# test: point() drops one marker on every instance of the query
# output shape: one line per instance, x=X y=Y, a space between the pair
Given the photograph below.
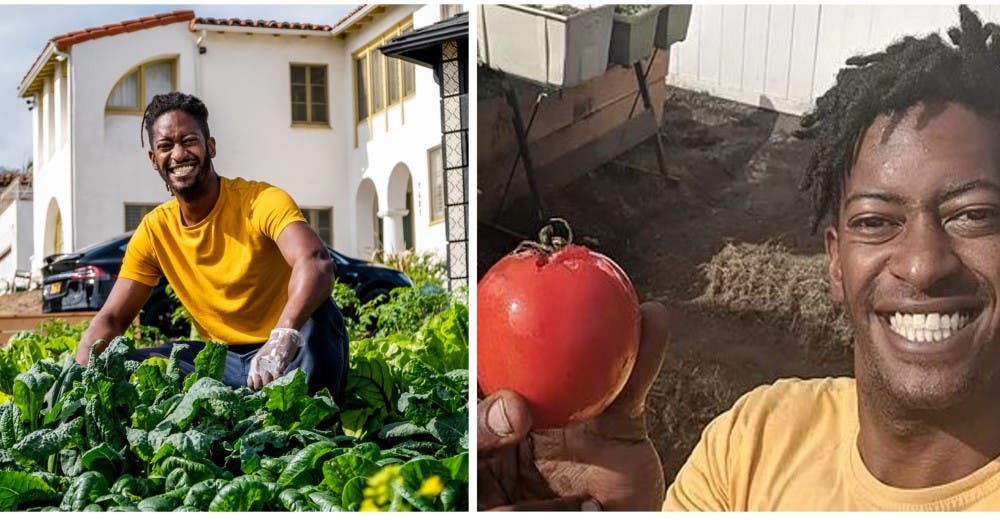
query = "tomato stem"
x=550 y=238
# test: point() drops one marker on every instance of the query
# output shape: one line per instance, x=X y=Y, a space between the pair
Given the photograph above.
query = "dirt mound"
x=786 y=290
x=27 y=302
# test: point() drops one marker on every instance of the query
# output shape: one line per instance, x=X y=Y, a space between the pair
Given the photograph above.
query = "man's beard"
x=197 y=188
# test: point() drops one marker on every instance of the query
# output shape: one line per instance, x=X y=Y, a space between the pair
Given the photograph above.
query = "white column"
x=36 y=133
x=47 y=121
x=392 y=220
x=59 y=90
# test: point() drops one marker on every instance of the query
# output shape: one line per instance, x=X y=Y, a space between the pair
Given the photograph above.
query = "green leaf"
x=284 y=393
x=29 y=393
x=342 y=468
x=17 y=487
x=353 y=421
x=306 y=466
x=85 y=489
x=398 y=430
x=244 y=493
x=353 y=493
x=210 y=362
x=458 y=466
x=370 y=382
x=452 y=430
x=203 y=391
x=293 y=500
x=201 y=494
x=103 y=459
x=416 y=471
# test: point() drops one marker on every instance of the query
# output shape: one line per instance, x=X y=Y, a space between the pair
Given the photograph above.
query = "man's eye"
x=870 y=223
x=976 y=215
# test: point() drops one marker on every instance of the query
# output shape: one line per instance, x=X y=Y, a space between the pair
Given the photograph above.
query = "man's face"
x=915 y=257
x=180 y=153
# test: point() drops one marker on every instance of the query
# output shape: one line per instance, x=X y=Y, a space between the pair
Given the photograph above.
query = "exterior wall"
x=110 y=168
x=785 y=56
x=15 y=230
x=96 y=164
x=396 y=141
x=250 y=117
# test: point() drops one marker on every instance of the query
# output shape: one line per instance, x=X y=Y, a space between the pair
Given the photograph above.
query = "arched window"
x=137 y=87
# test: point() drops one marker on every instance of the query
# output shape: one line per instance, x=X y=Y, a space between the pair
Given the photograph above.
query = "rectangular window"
x=361 y=86
x=134 y=214
x=380 y=81
x=409 y=69
x=435 y=170
x=309 y=100
x=321 y=220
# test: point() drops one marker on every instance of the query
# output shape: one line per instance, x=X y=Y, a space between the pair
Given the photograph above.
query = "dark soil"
x=739 y=168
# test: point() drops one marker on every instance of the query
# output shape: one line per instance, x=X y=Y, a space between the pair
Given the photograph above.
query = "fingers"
x=503 y=420
x=652 y=352
x=574 y=503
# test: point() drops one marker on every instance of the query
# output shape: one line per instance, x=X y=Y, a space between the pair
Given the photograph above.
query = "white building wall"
x=111 y=167
x=785 y=56
x=52 y=182
x=393 y=141
x=16 y=231
x=246 y=85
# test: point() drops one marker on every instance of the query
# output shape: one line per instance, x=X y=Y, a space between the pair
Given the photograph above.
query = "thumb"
x=503 y=419
x=631 y=401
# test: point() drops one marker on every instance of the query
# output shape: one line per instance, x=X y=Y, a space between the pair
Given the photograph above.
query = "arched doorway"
x=369 y=232
x=53 y=230
x=398 y=214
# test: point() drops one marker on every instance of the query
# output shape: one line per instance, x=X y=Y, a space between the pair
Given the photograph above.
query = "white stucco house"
x=317 y=110
x=16 y=213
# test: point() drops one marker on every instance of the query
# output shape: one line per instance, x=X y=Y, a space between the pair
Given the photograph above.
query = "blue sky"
x=25 y=30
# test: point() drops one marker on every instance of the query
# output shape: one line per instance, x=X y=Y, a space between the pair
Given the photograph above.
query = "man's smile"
x=942 y=328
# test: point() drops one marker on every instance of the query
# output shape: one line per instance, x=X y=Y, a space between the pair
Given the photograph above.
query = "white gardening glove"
x=274 y=357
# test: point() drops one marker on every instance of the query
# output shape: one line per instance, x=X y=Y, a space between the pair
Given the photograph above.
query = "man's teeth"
x=183 y=169
x=927 y=327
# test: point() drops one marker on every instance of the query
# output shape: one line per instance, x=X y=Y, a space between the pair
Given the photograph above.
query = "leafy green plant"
x=120 y=435
x=422 y=267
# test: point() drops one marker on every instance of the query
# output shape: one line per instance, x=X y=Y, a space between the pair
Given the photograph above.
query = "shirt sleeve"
x=272 y=210
x=704 y=482
x=140 y=263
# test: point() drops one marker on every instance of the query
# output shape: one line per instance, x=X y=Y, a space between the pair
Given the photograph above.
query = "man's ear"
x=152 y=160
x=833 y=257
x=211 y=147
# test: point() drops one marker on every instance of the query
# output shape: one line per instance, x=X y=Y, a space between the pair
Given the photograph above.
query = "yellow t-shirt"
x=792 y=446
x=227 y=269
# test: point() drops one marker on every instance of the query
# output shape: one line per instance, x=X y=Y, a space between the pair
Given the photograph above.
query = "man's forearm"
x=102 y=328
x=311 y=283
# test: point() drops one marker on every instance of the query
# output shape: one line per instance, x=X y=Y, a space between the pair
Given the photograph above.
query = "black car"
x=83 y=280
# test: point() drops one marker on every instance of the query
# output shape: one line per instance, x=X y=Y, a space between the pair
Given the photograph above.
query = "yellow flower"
x=368 y=505
x=431 y=487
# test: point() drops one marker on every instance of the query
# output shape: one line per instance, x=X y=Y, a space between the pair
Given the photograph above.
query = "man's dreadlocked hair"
x=163 y=103
x=906 y=73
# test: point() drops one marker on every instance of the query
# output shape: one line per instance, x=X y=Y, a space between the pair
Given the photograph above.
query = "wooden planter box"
x=672 y=25
x=632 y=36
x=545 y=47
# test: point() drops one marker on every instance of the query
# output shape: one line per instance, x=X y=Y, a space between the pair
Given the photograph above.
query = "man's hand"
x=605 y=463
x=274 y=357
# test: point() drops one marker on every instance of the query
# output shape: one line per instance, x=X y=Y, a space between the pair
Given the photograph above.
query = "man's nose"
x=177 y=152
x=925 y=256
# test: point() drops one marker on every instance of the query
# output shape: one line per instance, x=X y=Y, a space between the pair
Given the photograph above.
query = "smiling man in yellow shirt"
x=907 y=168
x=240 y=257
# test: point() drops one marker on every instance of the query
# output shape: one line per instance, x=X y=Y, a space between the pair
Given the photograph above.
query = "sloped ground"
x=27 y=302
x=739 y=168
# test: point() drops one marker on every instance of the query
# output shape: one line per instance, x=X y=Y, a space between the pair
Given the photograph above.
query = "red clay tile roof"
x=6 y=178
x=66 y=41
x=260 y=24
x=350 y=14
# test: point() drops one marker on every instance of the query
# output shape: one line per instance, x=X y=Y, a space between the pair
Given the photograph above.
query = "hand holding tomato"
x=607 y=462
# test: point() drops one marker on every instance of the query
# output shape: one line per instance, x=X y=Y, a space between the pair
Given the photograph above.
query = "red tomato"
x=559 y=328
